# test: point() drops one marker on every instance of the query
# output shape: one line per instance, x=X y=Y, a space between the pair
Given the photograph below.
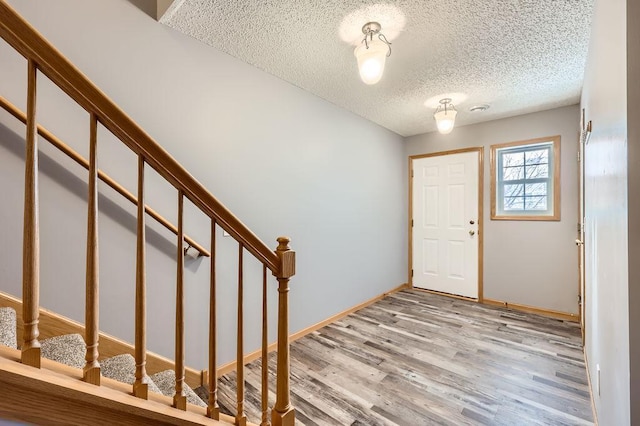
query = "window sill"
x=555 y=218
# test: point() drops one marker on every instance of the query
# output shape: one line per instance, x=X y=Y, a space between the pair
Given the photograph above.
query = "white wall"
x=515 y=251
x=284 y=161
x=607 y=212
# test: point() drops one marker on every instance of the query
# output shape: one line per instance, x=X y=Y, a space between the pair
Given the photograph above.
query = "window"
x=525 y=180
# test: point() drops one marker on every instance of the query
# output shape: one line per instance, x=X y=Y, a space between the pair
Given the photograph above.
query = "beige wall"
x=531 y=263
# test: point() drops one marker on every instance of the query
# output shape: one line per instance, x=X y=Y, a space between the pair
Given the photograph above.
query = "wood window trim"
x=555 y=140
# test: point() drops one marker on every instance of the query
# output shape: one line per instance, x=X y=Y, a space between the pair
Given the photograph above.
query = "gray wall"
x=284 y=161
x=608 y=191
x=515 y=250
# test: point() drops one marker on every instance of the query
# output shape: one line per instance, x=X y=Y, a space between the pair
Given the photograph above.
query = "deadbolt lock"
x=471 y=222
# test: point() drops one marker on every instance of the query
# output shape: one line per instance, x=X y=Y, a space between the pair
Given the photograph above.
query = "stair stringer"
x=56 y=395
x=53 y=325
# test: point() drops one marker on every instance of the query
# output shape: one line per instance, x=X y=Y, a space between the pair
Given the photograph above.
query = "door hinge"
x=578 y=156
x=412 y=223
x=579 y=299
x=412 y=273
x=579 y=227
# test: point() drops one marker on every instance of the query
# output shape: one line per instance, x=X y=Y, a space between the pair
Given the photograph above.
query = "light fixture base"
x=445 y=101
x=479 y=108
x=371 y=28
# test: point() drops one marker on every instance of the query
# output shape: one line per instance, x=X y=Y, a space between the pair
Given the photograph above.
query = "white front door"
x=445 y=223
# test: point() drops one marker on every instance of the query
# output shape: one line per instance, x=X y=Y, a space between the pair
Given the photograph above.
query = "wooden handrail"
x=33 y=46
x=69 y=152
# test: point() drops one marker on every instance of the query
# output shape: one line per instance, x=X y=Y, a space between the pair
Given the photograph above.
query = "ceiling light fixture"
x=372 y=53
x=445 y=116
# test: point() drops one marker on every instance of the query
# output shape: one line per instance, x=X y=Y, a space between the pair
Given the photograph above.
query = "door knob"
x=579 y=242
x=472 y=233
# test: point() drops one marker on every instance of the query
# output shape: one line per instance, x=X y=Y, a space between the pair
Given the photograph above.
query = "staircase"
x=47 y=378
x=71 y=350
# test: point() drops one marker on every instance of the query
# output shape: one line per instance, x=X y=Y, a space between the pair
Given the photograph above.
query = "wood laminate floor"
x=416 y=358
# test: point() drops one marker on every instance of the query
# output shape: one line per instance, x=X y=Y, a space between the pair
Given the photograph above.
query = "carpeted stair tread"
x=123 y=369
x=68 y=349
x=8 y=336
x=166 y=381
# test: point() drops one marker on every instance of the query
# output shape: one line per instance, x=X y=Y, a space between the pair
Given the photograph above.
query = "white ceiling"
x=518 y=56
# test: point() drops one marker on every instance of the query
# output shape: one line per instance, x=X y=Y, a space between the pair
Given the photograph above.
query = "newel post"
x=283 y=413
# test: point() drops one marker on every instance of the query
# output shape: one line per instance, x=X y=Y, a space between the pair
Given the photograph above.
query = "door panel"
x=456 y=259
x=430 y=207
x=445 y=223
x=430 y=256
x=455 y=209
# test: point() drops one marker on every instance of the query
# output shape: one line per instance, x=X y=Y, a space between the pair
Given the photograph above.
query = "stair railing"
x=69 y=152
x=43 y=58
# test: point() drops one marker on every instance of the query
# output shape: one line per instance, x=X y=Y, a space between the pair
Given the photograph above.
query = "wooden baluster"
x=265 y=352
x=91 y=372
x=31 y=237
x=140 y=385
x=213 y=409
x=283 y=413
x=241 y=418
x=179 y=399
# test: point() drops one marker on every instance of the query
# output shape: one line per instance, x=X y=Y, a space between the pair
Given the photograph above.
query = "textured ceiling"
x=518 y=56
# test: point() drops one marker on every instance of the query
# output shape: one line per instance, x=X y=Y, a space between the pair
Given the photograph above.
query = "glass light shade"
x=371 y=61
x=445 y=120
